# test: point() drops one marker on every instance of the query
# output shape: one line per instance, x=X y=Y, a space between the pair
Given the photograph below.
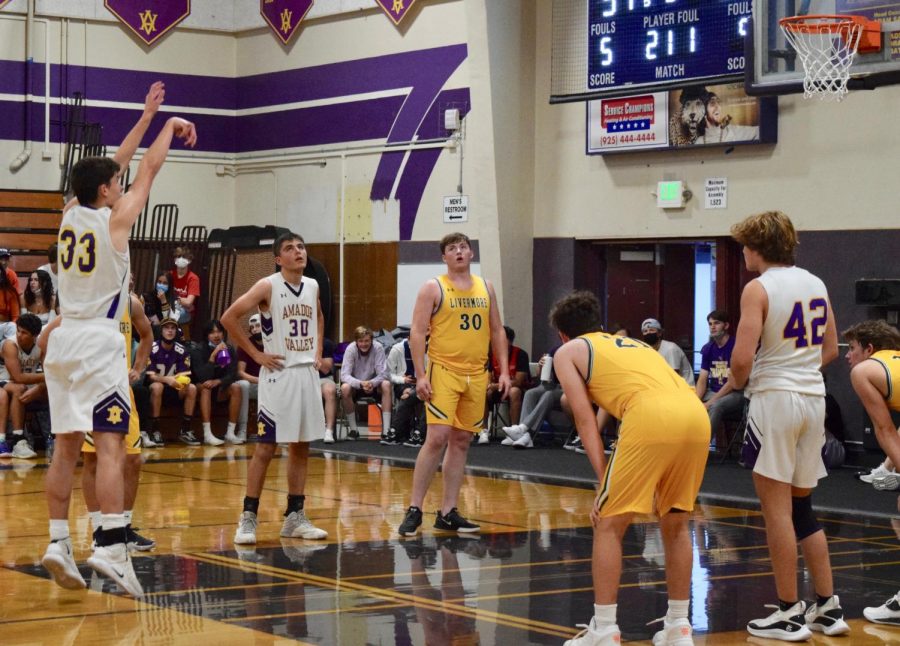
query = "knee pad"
x=805 y=523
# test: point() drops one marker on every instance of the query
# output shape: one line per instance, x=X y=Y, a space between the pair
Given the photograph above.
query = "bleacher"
x=29 y=223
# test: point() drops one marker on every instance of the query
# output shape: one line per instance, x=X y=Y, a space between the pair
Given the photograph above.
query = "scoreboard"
x=638 y=44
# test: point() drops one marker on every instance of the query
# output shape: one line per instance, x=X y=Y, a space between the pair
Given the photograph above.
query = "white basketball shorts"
x=87 y=377
x=290 y=405
x=790 y=431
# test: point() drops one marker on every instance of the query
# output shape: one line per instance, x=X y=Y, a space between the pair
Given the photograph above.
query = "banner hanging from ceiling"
x=395 y=9
x=284 y=16
x=149 y=19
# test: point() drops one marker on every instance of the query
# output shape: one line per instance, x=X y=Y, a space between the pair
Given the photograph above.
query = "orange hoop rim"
x=821 y=23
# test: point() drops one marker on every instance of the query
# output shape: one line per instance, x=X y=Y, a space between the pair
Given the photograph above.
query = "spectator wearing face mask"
x=186 y=285
x=159 y=301
x=652 y=333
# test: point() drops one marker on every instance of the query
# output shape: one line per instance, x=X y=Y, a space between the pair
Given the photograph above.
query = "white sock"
x=231 y=427
x=351 y=419
x=605 y=615
x=113 y=521
x=96 y=521
x=59 y=529
x=386 y=421
x=677 y=610
x=127 y=513
x=18 y=434
x=207 y=428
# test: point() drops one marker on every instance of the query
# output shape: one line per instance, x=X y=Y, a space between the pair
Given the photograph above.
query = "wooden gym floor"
x=524 y=580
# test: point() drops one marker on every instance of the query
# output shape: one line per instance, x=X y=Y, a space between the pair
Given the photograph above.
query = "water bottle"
x=223 y=358
x=546 y=369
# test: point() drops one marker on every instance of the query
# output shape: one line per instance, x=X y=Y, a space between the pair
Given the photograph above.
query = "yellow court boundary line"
x=392 y=595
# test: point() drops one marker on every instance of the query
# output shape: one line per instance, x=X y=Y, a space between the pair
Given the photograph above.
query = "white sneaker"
x=593 y=636
x=515 y=431
x=242 y=434
x=212 y=440
x=877 y=472
x=677 y=633
x=329 y=436
x=787 y=625
x=507 y=441
x=60 y=562
x=524 y=442
x=113 y=562
x=887 y=613
x=146 y=441
x=484 y=437
x=231 y=438
x=827 y=618
x=887 y=482
x=297 y=525
x=23 y=451
x=246 y=531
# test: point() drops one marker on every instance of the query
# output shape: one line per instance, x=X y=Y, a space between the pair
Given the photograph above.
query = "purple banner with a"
x=149 y=19
x=284 y=16
x=395 y=9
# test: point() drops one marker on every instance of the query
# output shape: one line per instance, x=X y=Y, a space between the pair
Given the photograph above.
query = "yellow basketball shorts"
x=660 y=455
x=132 y=438
x=457 y=400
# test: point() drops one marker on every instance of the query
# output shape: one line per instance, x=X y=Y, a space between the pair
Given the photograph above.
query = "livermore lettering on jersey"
x=290 y=327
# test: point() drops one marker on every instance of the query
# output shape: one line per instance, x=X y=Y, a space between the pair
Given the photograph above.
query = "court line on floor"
x=390 y=595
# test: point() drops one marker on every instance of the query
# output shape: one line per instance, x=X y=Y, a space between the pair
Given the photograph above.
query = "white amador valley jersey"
x=93 y=275
x=790 y=352
x=290 y=327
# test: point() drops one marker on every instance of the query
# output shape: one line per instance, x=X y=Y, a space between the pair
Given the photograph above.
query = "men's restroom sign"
x=149 y=20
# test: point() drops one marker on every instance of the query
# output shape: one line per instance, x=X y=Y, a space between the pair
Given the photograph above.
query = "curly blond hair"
x=770 y=234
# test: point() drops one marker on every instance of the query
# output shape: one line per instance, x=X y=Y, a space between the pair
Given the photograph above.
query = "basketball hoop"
x=827 y=45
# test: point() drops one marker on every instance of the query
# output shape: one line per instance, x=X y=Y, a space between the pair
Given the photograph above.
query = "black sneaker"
x=352 y=435
x=574 y=445
x=454 y=522
x=415 y=439
x=187 y=436
x=157 y=438
x=390 y=438
x=138 y=542
x=410 y=524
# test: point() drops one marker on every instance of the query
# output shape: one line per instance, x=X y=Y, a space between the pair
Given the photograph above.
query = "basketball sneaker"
x=113 y=562
x=524 y=442
x=454 y=522
x=138 y=542
x=827 y=618
x=157 y=437
x=59 y=560
x=887 y=613
x=390 y=438
x=877 y=472
x=411 y=523
x=515 y=431
x=187 y=436
x=787 y=625
x=297 y=525
x=573 y=445
x=146 y=441
x=507 y=441
x=888 y=482
x=676 y=633
x=415 y=439
x=592 y=635
x=484 y=437
x=329 y=436
x=5 y=450
x=23 y=451
x=246 y=531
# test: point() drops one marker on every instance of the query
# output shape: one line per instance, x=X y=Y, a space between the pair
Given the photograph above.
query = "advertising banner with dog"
x=698 y=115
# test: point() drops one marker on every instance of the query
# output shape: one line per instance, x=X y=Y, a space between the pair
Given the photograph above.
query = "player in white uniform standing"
x=787 y=315
x=86 y=373
x=290 y=404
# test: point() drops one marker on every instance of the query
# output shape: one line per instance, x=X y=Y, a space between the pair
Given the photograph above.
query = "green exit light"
x=670 y=194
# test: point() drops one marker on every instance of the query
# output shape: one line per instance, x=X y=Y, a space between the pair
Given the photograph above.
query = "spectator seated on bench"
x=214 y=365
x=39 y=297
x=22 y=379
x=169 y=375
x=364 y=374
x=248 y=375
x=519 y=374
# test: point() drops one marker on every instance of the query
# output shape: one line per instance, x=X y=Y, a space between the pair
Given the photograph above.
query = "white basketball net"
x=826 y=46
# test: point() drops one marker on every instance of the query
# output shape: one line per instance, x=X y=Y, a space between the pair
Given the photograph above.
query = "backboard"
x=772 y=66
